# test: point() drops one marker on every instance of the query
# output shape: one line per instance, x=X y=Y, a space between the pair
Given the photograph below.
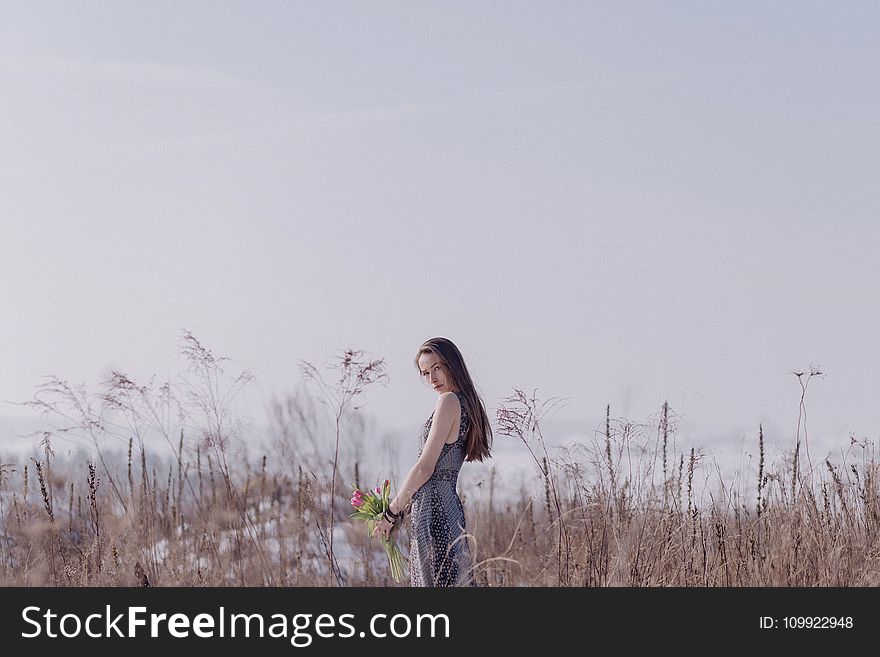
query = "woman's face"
x=435 y=373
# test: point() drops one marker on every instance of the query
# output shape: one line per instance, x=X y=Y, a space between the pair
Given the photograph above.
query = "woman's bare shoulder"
x=447 y=401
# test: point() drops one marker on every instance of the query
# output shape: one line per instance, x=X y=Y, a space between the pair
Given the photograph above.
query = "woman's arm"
x=447 y=410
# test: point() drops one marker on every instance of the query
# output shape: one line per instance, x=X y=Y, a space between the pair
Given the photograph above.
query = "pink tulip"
x=378 y=490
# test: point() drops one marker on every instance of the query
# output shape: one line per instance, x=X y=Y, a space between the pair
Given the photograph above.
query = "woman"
x=457 y=431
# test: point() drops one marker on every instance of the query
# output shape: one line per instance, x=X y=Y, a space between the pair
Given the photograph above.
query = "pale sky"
x=613 y=202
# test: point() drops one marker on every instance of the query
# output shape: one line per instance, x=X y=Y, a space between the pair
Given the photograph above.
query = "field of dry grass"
x=623 y=510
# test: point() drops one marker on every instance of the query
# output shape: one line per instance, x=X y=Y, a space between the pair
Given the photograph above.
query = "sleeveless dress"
x=439 y=553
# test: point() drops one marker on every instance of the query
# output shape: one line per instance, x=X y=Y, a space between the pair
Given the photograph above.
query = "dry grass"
x=627 y=527
x=622 y=510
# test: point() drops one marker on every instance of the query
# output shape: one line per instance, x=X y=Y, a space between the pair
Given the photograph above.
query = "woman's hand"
x=383 y=528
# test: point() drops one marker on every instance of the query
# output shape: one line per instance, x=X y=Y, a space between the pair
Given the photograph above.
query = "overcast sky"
x=616 y=203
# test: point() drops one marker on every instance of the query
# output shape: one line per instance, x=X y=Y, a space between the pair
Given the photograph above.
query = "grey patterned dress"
x=439 y=554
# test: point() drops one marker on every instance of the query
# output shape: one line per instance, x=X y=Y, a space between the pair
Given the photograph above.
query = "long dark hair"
x=479 y=436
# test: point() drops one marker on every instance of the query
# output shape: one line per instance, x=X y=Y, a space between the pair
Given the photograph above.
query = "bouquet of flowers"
x=370 y=507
